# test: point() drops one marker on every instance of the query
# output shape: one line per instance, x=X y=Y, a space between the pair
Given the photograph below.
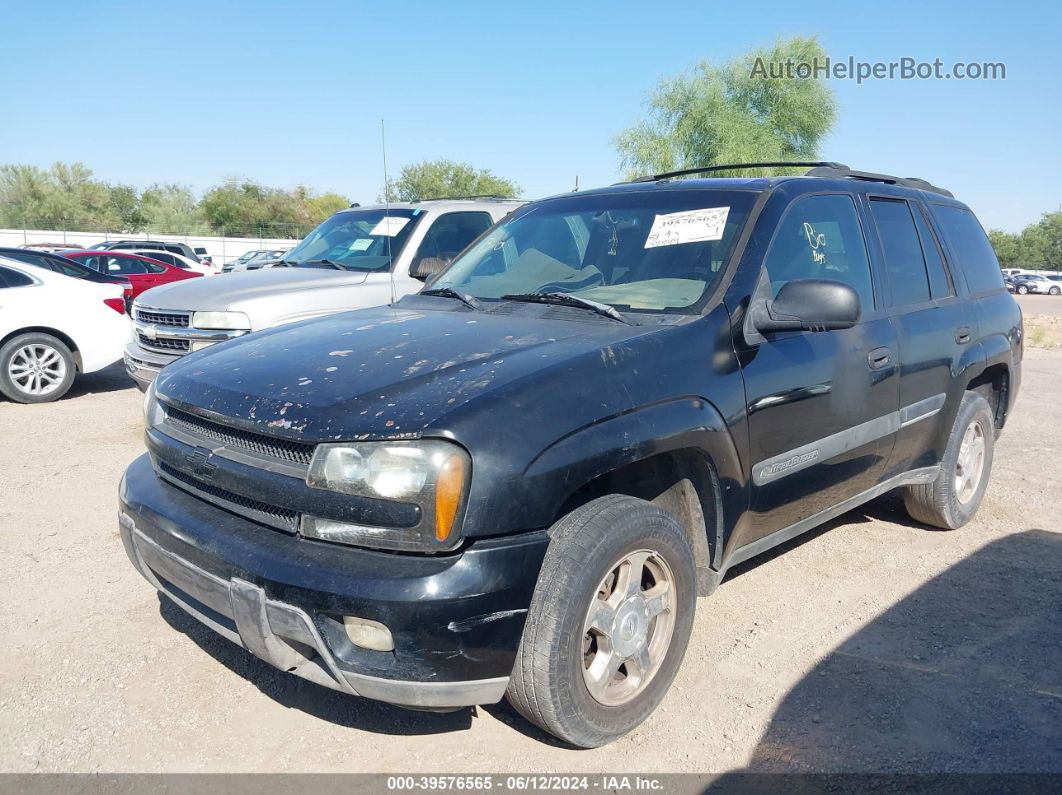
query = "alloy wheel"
x=37 y=369
x=970 y=463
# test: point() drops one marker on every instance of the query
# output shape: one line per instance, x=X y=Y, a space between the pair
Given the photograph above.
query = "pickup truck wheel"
x=35 y=368
x=609 y=621
x=952 y=499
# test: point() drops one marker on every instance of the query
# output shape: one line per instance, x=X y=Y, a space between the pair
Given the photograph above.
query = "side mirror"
x=806 y=305
x=426 y=267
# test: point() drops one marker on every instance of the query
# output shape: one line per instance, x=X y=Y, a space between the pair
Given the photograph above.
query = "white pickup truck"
x=360 y=257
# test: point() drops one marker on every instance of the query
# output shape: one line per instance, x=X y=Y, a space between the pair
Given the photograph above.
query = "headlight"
x=432 y=474
x=153 y=414
x=221 y=321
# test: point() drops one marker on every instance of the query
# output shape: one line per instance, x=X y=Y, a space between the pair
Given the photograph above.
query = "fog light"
x=368 y=634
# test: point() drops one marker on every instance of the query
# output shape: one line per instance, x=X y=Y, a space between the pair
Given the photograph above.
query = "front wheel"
x=953 y=498
x=1022 y=289
x=608 y=623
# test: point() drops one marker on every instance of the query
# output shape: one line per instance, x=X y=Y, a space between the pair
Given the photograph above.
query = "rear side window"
x=820 y=238
x=908 y=281
x=970 y=244
x=125 y=266
x=10 y=278
x=939 y=282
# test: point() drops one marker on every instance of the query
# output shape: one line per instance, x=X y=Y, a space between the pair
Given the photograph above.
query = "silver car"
x=360 y=257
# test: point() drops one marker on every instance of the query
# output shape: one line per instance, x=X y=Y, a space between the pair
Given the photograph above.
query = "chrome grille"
x=163 y=343
x=296 y=452
x=272 y=515
x=161 y=318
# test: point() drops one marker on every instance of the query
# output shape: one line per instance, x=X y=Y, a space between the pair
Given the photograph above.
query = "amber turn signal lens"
x=448 y=491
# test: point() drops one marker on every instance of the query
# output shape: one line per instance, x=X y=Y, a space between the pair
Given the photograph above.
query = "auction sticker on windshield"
x=688 y=226
x=389 y=226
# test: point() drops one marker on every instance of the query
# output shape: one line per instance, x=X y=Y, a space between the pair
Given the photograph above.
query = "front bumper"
x=456 y=619
x=143 y=366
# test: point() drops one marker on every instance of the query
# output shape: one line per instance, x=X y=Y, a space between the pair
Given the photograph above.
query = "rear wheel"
x=1055 y=290
x=609 y=621
x=1021 y=289
x=35 y=368
x=953 y=498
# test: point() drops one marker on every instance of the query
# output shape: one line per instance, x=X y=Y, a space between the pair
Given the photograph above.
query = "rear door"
x=933 y=325
x=821 y=406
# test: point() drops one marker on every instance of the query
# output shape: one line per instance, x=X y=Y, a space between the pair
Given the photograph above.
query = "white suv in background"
x=52 y=328
x=358 y=258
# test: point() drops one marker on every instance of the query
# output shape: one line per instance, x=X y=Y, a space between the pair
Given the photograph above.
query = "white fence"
x=222 y=249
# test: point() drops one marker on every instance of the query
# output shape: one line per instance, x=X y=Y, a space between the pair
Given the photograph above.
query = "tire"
x=1021 y=289
x=549 y=685
x=43 y=385
x=1055 y=291
x=945 y=503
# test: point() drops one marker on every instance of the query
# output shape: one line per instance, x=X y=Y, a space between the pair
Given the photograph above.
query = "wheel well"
x=993 y=385
x=682 y=482
x=64 y=338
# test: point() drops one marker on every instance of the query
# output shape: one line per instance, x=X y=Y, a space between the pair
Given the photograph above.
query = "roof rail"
x=494 y=196
x=844 y=172
x=739 y=166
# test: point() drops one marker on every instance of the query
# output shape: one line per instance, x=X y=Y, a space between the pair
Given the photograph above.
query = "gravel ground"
x=870 y=645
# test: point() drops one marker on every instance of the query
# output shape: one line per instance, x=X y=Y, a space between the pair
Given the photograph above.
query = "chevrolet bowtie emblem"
x=199 y=462
x=151 y=332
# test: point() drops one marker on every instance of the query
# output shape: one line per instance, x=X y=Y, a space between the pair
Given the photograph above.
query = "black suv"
x=516 y=482
x=174 y=248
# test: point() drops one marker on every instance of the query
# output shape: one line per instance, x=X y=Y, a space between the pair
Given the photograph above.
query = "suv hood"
x=387 y=372
x=226 y=291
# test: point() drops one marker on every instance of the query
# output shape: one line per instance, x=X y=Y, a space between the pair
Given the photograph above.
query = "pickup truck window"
x=451 y=233
x=970 y=244
x=821 y=238
x=600 y=248
x=357 y=240
x=904 y=261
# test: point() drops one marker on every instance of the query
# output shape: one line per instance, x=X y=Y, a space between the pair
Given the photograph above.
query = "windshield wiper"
x=339 y=266
x=567 y=299
x=447 y=292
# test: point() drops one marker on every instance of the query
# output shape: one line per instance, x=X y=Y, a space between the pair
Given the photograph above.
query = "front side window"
x=904 y=262
x=451 y=233
x=357 y=240
x=649 y=251
x=820 y=237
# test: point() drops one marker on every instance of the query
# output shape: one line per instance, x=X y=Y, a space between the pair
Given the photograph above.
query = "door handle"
x=962 y=335
x=878 y=358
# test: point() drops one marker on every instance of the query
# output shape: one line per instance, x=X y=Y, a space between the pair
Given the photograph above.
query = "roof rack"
x=738 y=167
x=823 y=168
x=844 y=172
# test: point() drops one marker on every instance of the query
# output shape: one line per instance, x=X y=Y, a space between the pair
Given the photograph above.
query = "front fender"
x=687 y=423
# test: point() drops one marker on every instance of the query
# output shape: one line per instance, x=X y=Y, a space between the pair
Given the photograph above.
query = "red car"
x=142 y=272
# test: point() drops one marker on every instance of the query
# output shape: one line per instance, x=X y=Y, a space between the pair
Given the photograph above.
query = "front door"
x=822 y=407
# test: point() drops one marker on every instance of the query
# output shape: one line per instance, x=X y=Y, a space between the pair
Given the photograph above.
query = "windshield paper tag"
x=361 y=244
x=689 y=226
x=390 y=226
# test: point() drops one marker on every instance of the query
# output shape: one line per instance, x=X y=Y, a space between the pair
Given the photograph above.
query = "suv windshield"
x=357 y=240
x=650 y=251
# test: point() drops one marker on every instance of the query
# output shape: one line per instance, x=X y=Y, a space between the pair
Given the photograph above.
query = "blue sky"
x=287 y=93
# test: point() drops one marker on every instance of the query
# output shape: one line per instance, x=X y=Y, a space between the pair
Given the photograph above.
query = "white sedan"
x=176 y=260
x=52 y=328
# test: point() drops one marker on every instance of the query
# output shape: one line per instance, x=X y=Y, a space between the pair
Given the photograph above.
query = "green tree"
x=126 y=204
x=433 y=179
x=64 y=197
x=733 y=113
x=171 y=209
x=320 y=207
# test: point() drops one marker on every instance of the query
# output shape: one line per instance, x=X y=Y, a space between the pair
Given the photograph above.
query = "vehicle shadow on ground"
x=295 y=693
x=964 y=675
x=113 y=378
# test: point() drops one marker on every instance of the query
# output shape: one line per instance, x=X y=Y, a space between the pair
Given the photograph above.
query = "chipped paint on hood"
x=387 y=372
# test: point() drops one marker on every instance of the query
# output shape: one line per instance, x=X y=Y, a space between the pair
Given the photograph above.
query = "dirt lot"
x=870 y=645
